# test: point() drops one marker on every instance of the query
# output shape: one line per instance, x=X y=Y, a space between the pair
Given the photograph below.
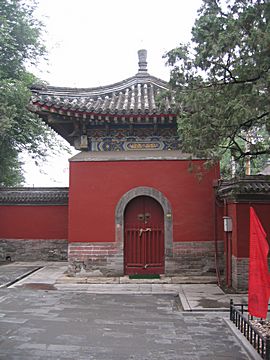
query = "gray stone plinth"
x=32 y=250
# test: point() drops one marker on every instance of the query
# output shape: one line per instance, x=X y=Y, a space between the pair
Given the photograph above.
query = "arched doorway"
x=144 y=237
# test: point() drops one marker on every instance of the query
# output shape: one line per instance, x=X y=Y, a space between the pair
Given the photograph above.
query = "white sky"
x=95 y=42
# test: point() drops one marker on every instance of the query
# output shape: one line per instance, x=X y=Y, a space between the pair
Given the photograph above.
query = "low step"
x=126 y=280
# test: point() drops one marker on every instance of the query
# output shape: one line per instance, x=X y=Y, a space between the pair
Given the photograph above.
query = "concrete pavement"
x=46 y=315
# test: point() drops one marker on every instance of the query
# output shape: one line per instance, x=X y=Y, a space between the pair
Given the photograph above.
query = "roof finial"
x=142 y=54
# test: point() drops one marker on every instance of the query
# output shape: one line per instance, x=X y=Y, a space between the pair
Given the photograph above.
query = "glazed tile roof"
x=138 y=96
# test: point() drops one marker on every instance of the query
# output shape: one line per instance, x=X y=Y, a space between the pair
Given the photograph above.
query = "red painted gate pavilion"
x=133 y=205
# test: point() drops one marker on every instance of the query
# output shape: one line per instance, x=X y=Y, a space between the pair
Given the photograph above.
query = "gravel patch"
x=262 y=326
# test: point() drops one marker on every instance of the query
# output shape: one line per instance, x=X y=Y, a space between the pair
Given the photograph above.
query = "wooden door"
x=144 y=237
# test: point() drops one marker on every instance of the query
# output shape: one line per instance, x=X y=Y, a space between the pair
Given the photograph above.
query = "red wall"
x=240 y=233
x=33 y=222
x=96 y=188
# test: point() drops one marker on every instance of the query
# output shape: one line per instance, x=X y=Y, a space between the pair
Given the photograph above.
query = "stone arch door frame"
x=167 y=210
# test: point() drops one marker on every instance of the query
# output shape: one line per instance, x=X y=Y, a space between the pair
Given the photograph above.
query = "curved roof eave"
x=101 y=90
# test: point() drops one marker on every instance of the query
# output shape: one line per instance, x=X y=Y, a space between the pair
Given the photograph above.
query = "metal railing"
x=239 y=316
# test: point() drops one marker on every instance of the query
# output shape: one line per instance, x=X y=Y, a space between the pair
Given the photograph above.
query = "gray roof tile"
x=245 y=188
x=34 y=196
x=138 y=96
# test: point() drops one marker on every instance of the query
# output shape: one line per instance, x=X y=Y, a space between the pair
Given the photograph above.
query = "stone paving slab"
x=66 y=325
x=48 y=273
x=206 y=297
x=11 y=272
x=122 y=288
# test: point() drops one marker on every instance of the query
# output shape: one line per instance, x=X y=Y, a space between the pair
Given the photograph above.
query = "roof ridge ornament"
x=142 y=54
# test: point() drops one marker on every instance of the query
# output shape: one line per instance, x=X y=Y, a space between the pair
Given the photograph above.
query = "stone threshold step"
x=125 y=280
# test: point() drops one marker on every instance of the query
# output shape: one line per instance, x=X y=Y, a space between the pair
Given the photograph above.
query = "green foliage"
x=19 y=37
x=20 y=129
x=221 y=81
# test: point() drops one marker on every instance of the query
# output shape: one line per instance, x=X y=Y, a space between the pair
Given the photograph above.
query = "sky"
x=95 y=42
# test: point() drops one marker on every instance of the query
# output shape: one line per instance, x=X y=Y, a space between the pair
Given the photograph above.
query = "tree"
x=20 y=129
x=221 y=81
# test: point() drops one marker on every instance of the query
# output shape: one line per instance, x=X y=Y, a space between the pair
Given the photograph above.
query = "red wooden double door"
x=144 y=237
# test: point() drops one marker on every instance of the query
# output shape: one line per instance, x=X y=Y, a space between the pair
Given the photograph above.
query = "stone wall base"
x=106 y=259
x=33 y=250
x=95 y=259
x=240 y=273
x=194 y=258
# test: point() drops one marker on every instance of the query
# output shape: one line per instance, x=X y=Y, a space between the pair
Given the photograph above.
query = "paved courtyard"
x=42 y=319
x=38 y=324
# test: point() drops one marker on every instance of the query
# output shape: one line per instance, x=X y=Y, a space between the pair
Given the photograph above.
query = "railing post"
x=267 y=347
x=260 y=343
x=231 y=309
